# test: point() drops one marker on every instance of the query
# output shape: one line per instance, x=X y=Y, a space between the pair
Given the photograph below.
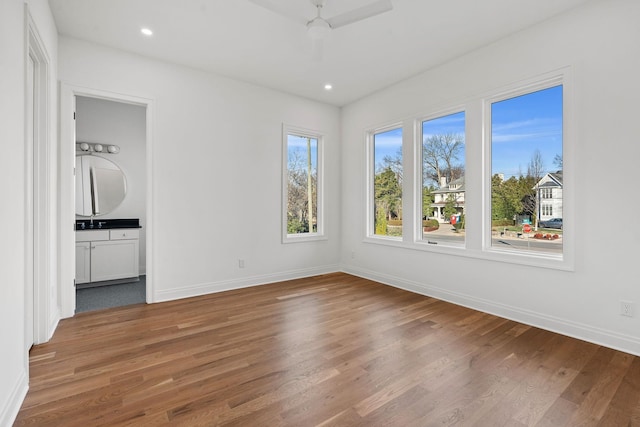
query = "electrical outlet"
x=240 y=263
x=626 y=308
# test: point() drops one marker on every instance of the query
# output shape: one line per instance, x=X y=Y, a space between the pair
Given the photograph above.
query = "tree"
x=381 y=222
x=394 y=163
x=450 y=206
x=439 y=155
x=536 y=165
x=536 y=171
x=388 y=192
x=301 y=191
x=514 y=196
x=557 y=161
x=427 y=200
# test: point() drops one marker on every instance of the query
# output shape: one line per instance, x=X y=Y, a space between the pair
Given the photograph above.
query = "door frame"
x=67 y=261
x=39 y=203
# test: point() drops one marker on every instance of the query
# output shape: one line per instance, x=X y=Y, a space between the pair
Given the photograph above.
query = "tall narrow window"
x=443 y=177
x=302 y=185
x=526 y=170
x=387 y=183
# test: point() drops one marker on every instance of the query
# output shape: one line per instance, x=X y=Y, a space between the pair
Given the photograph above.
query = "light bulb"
x=97 y=148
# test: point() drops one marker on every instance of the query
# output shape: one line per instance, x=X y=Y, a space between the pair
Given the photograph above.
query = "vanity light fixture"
x=89 y=147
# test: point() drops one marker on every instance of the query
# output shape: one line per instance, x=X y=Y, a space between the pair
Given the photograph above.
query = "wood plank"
x=330 y=350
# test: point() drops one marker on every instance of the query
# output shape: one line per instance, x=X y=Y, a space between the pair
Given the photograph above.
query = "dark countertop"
x=100 y=224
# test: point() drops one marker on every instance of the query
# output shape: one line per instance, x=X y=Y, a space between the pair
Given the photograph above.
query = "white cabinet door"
x=114 y=259
x=83 y=262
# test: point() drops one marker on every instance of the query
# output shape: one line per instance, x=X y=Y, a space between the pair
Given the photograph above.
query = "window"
x=485 y=177
x=527 y=169
x=442 y=181
x=386 y=183
x=302 y=185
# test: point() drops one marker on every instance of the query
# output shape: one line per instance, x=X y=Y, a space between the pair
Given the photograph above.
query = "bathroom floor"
x=100 y=297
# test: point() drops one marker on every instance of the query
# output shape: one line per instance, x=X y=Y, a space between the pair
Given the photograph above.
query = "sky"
x=523 y=124
x=299 y=144
x=519 y=126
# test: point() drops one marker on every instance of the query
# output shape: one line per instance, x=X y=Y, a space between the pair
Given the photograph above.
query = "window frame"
x=370 y=232
x=478 y=243
x=564 y=261
x=320 y=233
x=418 y=172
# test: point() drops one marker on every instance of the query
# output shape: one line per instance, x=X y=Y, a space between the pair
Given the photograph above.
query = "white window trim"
x=564 y=261
x=370 y=169
x=320 y=234
x=418 y=237
x=477 y=167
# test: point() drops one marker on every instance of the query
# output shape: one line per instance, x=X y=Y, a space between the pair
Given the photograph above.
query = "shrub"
x=460 y=224
x=502 y=223
x=431 y=223
x=295 y=226
x=381 y=223
x=395 y=222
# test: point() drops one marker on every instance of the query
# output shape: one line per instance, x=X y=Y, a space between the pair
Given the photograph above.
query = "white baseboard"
x=11 y=407
x=607 y=338
x=243 y=282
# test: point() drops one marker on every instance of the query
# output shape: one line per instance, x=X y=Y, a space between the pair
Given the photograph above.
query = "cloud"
x=527 y=130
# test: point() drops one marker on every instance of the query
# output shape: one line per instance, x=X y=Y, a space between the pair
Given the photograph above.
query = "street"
x=510 y=240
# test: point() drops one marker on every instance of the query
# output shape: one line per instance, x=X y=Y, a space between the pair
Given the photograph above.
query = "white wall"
x=13 y=356
x=107 y=122
x=13 y=372
x=215 y=171
x=600 y=43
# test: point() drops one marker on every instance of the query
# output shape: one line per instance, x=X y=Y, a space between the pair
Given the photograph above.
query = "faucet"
x=91 y=222
x=101 y=223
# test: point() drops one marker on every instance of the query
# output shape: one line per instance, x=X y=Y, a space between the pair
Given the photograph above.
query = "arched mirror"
x=100 y=185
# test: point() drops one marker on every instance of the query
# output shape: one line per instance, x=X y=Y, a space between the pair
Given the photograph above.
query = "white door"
x=29 y=205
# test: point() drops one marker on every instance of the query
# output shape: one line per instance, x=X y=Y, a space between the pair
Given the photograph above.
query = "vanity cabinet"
x=107 y=254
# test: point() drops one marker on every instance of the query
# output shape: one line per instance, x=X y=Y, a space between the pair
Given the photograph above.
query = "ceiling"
x=239 y=39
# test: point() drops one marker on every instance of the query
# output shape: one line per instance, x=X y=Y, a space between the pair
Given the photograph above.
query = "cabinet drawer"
x=124 y=234
x=91 y=235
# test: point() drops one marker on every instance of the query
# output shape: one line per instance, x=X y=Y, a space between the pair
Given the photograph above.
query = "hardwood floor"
x=332 y=350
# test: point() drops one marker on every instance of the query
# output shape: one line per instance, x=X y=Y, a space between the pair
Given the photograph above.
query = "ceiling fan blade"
x=360 y=13
x=280 y=10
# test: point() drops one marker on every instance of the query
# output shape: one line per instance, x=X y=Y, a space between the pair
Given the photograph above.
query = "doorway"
x=67 y=219
x=40 y=315
x=114 y=133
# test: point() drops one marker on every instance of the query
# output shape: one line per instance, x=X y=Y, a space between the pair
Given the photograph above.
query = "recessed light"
x=146 y=31
x=328 y=86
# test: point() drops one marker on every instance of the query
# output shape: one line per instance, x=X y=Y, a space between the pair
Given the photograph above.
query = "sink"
x=99 y=224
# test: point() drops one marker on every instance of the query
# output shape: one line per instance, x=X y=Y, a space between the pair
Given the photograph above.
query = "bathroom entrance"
x=110 y=203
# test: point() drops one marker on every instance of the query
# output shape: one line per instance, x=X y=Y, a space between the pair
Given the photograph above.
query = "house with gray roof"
x=452 y=191
x=549 y=196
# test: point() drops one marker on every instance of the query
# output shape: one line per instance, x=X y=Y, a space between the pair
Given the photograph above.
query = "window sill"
x=301 y=238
